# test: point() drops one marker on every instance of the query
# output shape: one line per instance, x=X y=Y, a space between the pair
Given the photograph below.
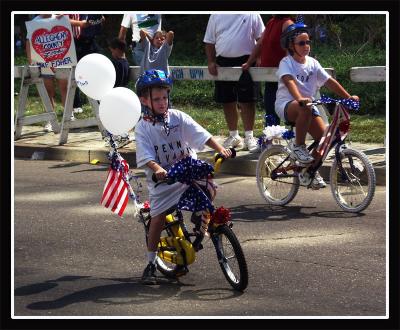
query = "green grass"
x=364 y=128
x=368 y=129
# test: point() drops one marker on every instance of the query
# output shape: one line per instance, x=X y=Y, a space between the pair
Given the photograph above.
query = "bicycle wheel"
x=169 y=269
x=282 y=190
x=353 y=187
x=231 y=257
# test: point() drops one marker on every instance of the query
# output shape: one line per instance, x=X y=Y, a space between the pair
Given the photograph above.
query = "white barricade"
x=31 y=75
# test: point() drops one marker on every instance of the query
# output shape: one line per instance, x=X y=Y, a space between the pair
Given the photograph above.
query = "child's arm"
x=157 y=169
x=170 y=37
x=212 y=143
x=334 y=86
x=290 y=84
x=143 y=35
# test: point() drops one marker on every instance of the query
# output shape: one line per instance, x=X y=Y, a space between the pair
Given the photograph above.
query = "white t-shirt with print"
x=152 y=143
x=233 y=35
x=309 y=77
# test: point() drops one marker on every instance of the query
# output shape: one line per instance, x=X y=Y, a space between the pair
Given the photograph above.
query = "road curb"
x=244 y=164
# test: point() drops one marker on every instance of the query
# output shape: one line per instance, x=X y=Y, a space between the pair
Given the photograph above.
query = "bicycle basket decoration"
x=185 y=171
x=273 y=131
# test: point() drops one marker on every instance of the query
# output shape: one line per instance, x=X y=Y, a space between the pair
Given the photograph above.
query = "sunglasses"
x=303 y=43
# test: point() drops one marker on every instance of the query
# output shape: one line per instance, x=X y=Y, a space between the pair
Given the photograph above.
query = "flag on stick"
x=115 y=192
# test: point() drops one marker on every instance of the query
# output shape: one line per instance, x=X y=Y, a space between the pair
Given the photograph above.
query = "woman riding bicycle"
x=299 y=78
x=163 y=137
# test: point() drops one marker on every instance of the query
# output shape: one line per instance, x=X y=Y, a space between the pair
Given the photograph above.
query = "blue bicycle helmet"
x=152 y=78
x=291 y=32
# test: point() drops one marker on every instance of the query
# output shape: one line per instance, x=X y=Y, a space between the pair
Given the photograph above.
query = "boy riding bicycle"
x=163 y=137
x=299 y=77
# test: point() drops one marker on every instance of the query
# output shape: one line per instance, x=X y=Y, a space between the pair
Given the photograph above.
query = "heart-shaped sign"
x=51 y=45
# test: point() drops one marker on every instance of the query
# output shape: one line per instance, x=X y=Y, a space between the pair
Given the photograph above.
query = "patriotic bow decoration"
x=272 y=131
x=116 y=191
x=147 y=115
x=186 y=171
x=348 y=103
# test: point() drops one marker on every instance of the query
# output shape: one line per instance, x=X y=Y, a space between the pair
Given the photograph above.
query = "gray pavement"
x=86 y=144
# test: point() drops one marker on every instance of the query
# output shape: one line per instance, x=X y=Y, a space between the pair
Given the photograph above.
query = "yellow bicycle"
x=178 y=245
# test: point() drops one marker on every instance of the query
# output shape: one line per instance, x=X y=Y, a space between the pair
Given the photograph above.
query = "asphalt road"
x=72 y=257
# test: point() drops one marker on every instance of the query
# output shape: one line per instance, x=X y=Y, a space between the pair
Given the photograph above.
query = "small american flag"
x=115 y=193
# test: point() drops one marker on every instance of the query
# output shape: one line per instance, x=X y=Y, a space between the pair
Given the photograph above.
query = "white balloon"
x=119 y=110
x=95 y=75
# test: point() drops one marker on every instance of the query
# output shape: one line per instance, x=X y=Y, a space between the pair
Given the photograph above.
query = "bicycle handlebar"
x=218 y=159
x=317 y=102
x=167 y=180
x=219 y=156
x=349 y=103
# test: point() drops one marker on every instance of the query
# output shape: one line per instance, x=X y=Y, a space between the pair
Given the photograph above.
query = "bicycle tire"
x=168 y=269
x=281 y=191
x=354 y=196
x=225 y=241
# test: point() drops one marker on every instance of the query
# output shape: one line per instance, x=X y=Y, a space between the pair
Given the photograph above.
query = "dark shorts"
x=228 y=91
x=314 y=110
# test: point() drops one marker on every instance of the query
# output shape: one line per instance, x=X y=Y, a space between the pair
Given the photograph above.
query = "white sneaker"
x=48 y=127
x=72 y=117
x=78 y=110
x=233 y=142
x=251 y=144
x=318 y=182
x=301 y=154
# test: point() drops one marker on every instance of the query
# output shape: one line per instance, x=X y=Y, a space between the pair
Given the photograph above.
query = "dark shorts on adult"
x=229 y=91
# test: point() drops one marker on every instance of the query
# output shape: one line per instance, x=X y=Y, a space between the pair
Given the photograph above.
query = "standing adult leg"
x=231 y=115
x=248 y=115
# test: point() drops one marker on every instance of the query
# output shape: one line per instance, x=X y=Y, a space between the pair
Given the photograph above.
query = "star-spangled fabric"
x=348 y=103
x=186 y=171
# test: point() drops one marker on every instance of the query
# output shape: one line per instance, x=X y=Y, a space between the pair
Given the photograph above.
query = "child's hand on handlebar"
x=160 y=174
x=226 y=153
x=304 y=102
